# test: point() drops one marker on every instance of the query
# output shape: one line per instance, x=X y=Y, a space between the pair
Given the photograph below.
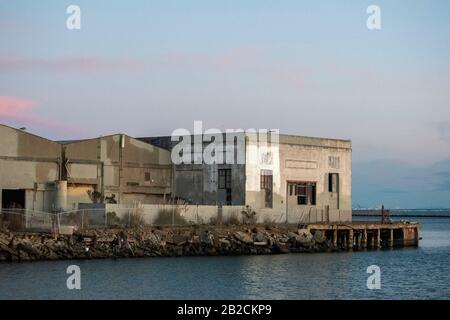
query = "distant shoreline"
x=402 y=215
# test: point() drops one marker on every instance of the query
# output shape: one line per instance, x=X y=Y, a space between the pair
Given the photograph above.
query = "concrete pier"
x=362 y=235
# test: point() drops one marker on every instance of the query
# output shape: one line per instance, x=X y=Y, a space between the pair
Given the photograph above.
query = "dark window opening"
x=306 y=193
x=224 y=183
x=266 y=185
x=13 y=208
x=333 y=182
x=13 y=199
x=147 y=176
x=224 y=178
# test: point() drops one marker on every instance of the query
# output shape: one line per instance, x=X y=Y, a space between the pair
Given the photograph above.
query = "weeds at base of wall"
x=248 y=215
x=169 y=217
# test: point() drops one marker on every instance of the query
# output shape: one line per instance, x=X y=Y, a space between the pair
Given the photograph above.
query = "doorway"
x=13 y=208
x=13 y=199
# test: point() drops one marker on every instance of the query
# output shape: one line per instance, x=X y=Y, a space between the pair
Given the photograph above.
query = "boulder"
x=319 y=237
x=243 y=237
x=179 y=240
x=306 y=238
x=260 y=237
x=207 y=238
x=28 y=249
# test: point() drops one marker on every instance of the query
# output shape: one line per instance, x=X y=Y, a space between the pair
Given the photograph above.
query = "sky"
x=304 y=67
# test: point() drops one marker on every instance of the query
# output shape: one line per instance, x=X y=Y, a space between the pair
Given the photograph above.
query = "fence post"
x=58 y=222
x=197 y=213
x=173 y=214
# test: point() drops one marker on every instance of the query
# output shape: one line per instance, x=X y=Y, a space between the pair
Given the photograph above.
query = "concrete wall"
x=261 y=155
x=198 y=183
x=30 y=163
x=302 y=159
x=131 y=170
x=193 y=214
x=288 y=158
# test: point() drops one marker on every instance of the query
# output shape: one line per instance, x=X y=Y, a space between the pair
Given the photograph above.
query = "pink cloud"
x=81 y=64
x=14 y=107
x=23 y=111
x=245 y=60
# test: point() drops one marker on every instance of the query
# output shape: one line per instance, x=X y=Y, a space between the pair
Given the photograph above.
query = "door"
x=333 y=190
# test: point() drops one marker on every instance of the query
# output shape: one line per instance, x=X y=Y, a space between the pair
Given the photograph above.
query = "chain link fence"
x=121 y=216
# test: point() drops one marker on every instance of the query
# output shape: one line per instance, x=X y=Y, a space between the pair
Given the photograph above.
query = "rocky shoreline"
x=202 y=240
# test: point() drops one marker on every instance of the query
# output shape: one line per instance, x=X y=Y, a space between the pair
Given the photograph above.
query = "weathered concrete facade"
x=42 y=175
x=29 y=167
x=285 y=179
x=117 y=166
x=308 y=175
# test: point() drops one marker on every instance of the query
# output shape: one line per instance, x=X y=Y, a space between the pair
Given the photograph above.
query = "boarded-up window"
x=333 y=162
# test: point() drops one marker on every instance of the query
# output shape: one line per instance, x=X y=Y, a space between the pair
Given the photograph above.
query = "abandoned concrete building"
x=294 y=176
x=42 y=175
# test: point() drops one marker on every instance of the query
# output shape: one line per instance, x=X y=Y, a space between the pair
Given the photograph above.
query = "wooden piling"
x=391 y=238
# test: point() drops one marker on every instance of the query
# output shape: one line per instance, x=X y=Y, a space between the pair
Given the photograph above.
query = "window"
x=147 y=176
x=306 y=193
x=224 y=178
x=333 y=182
x=266 y=185
x=225 y=186
x=266 y=179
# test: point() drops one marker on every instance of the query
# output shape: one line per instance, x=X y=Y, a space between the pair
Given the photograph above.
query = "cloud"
x=23 y=111
x=250 y=61
x=80 y=64
x=243 y=60
x=14 y=107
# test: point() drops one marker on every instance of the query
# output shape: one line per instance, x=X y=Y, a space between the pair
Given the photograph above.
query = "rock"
x=260 y=237
x=260 y=243
x=179 y=239
x=153 y=239
x=224 y=241
x=243 y=237
x=207 y=238
x=293 y=236
x=28 y=249
x=319 y=237
x=306 y=238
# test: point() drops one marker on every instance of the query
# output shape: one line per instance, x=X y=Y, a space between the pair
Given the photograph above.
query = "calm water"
x=420 y=273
